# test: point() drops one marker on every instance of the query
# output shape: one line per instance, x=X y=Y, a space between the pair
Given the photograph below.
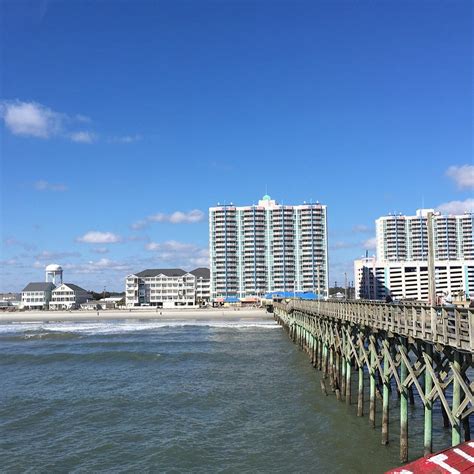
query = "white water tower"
x=54 y=274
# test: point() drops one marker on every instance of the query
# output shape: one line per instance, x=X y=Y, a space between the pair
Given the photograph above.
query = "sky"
x=122 y=122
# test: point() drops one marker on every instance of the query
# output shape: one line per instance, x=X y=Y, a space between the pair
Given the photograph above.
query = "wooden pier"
x=408 y=347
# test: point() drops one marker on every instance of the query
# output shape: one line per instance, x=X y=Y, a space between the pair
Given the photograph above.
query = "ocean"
x=131 y=396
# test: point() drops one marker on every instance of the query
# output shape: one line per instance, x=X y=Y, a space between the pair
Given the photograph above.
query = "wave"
x=69 y=330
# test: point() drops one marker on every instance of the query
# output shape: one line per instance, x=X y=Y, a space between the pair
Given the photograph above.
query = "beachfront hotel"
x=267 y=247
x=167 y=288
x=401 y=262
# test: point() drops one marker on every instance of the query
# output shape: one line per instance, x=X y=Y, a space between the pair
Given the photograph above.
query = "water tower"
x=54 y=274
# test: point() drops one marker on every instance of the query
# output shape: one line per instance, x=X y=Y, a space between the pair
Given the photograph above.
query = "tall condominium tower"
x=401 y=238
x=267 y=247
x=401 y=266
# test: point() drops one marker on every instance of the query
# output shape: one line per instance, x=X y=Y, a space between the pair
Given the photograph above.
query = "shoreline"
x=223 y=314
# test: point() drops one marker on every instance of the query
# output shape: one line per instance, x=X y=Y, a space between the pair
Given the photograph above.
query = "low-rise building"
x=68 y=296
x=203 y=284
x=36 y=295
x=168 y=288
x=110 y=302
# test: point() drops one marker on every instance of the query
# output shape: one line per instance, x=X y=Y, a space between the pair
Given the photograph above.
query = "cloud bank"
x=177 y=217
x=96 y=237
x=180 y=254
x=31 y=119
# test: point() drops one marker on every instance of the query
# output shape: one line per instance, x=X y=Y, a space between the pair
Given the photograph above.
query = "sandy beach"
x=206 y=314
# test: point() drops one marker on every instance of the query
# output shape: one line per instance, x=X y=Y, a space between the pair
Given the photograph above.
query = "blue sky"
x=123 y=122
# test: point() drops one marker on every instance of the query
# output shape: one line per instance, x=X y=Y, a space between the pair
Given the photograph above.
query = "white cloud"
x=456 y=207
x=177 y=217
x=179 y=254
x=31 y=119
x=83 y=137
x=96 y=237
x=36 y=120
x=463 y=176
x=370 y=244
x=43 y=185
x=99 y=266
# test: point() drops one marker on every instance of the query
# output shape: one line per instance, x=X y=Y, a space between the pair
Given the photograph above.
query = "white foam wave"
x=124 y=327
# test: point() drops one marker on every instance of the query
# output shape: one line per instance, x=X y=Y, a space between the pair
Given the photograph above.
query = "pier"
x=414 y=349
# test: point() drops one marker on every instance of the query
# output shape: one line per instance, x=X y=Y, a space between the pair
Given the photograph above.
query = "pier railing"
x=405 y=348
x=450 y=326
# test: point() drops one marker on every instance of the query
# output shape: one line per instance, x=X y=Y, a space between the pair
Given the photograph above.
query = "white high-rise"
x=267 y=247
x=401 y=265
x=401 y=238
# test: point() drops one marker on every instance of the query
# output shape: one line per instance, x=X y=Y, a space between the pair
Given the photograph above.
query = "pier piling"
x=407 y=348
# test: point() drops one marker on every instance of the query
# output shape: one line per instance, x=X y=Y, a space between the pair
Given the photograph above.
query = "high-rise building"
x=267 y=247
x=401 y=264
x=402 y=237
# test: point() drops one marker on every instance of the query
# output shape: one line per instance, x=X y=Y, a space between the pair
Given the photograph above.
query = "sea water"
x=131 y=396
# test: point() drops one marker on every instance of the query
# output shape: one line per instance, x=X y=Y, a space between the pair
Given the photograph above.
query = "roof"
x=75 y=287
x=455 y=459
x=231 y=299
x=171 y=272
x=54 y=268
x=39 y=286
x=202 y=272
